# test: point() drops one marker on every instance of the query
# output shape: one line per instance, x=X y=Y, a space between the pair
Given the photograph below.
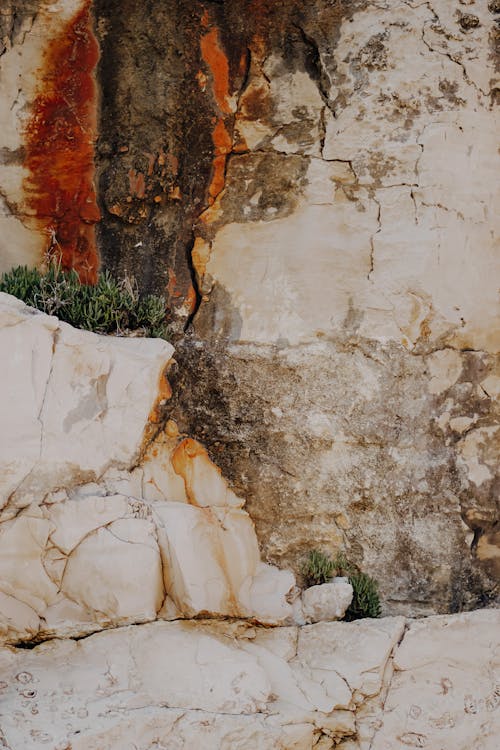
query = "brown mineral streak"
x=164 y=394
x=182 y=463
x=60 y=138
x=216 y=60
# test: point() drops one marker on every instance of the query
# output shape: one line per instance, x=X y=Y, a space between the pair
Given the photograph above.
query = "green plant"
x=109 y=306
x=365 y=596
x=318 y=568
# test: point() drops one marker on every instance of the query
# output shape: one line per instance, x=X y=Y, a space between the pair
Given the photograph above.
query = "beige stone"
x=328 y=601
x=115 y=572
x=444 y=692
x=76 y=388
x=227 y=684
x=225 y=575
x=408 y=119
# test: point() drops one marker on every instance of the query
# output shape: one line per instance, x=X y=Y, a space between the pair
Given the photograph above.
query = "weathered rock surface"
x=327 y=601
x=74 y=404
x=100 y=526
x=349 y=321
x=313 y=185
x=370 y=684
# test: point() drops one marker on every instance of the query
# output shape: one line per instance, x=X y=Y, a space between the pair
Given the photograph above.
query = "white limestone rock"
x=211 y=564
x=116 y=573
x=445 y=692
x=73 y=403
x=328 y=601
x=214 y=685
x=103 y=691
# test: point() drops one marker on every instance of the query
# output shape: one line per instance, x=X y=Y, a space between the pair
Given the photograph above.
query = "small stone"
x=327 y=601
x=468 y=21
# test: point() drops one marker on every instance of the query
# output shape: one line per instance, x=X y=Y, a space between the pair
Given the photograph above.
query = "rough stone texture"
x=371 y=684
x=74 y=404
x=48 y=205
x=327 y=601
x=313 y=185
x=102 y=525
x=348 y=331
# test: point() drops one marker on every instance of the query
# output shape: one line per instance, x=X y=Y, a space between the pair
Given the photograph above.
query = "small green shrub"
x=109 y=306
x=365 y=598
x=318 y=568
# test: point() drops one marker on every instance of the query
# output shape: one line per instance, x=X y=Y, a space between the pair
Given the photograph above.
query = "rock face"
x=101 y=525
x=118 y=520
x=349 y=321
x=371 y=684
x=313 y=187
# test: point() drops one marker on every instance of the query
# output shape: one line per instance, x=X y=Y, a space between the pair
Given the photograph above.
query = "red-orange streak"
x=217 y=61
x=60 y=147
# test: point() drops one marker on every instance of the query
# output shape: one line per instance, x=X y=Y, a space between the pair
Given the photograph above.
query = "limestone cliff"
x=112 y=521
x=313 y=187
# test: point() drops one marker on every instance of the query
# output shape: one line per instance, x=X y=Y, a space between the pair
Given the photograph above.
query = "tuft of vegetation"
x=109 y=306
x=319 y=568
x=365 y=599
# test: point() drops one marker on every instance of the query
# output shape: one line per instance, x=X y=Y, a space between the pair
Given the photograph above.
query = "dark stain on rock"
x=376 y=471
x=9 y=156
x=261 y=187
x=468 y=21
x=59 y=147
x=14 y=16
x=168 y=73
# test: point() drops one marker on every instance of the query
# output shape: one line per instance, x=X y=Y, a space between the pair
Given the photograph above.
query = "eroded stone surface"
x=328 y=601
x=48 y=117
x=233 y=685
x=350 y=314
x=73 y=403
x=441 y=694
x=101 y=525
x=332 y=167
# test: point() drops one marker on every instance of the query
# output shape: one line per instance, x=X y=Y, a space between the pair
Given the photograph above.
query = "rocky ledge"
x=112 y=521
x=382 y=684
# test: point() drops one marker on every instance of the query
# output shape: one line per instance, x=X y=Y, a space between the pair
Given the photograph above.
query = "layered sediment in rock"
x=381 y=684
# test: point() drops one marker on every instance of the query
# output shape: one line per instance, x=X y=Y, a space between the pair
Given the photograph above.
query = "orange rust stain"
x=182 y=462
x=218 y=64
x=191 y=300
x=205 y=19
x=59 y=140
x=172 y=288
x=137 y=183
x=164 y=394
x=216 y=60
x=222 y=147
